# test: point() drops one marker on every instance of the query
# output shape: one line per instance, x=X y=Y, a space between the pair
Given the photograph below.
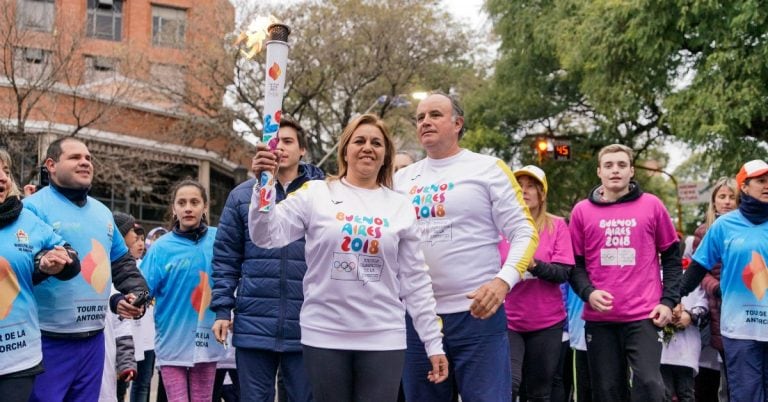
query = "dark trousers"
x=478 y=354
x=16 y=388
x=747 y=368
x=161 y=395
x=229 y=393
x=582 y=387
x=354 y=375
x=706 y=384
x=256 y=369
x=535 y=356
x=615 y=348
x=562 y=382
x=144 y=371
x=121 y=387
x=678 y=382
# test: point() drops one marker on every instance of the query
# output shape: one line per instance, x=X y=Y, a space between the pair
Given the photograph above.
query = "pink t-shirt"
x=535 y=304
x=621 y=245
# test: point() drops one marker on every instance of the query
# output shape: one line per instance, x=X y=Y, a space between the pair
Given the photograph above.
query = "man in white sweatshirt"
x=463 y=201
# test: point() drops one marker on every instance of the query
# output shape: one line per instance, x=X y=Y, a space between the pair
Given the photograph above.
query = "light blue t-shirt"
x=742 y=248
x=19 y=327
x=79 y=304
x=178 y=272
x=575 y=307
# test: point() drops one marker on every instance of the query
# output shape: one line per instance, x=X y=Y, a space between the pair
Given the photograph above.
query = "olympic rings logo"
x=344 y=266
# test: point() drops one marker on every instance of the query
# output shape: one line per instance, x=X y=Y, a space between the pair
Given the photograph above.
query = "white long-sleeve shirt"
x=684 y=349
x=462 y=204
x=364 y=266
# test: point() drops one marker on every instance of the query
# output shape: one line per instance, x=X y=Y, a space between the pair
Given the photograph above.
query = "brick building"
x=134 y=80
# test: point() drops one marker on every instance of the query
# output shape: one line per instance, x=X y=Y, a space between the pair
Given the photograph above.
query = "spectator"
x=402 y=159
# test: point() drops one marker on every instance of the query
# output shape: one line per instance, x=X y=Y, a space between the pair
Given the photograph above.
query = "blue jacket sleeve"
x=228 y=254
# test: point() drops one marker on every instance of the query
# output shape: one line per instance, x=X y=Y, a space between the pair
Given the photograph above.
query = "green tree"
x=346 y=54
x=632 y=72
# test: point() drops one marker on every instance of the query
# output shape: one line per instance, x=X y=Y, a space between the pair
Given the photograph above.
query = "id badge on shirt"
x=617 y=256
x=435 y=230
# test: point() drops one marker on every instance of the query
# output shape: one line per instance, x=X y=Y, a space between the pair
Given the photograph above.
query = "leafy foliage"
x=630 y=72
x=352 y=56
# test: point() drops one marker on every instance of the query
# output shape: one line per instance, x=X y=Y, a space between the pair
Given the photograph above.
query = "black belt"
x=73 y=335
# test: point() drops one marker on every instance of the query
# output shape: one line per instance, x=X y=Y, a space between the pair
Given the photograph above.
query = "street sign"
x=692 y=193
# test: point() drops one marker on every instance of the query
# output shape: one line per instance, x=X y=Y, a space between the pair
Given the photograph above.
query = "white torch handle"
x=277 y=58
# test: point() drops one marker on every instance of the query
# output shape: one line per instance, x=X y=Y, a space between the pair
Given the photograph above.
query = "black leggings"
x=354 y=375
x=535 y=356
x=17 y=388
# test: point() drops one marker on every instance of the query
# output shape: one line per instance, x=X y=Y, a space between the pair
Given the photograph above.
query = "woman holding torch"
x=364 y=269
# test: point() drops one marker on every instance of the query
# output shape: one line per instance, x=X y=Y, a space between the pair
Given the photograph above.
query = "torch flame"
x=255 y=35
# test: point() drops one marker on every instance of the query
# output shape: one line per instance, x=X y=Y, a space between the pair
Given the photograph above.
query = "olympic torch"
x=277 y=58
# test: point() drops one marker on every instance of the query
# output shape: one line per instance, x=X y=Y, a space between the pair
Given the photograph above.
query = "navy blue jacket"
x=268 y=281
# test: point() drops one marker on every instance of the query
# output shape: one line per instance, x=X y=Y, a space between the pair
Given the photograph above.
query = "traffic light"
x=541 y=145
x=542 y=148
x=554 y=147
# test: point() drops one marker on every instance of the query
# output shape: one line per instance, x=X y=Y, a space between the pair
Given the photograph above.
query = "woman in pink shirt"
x=534 y=307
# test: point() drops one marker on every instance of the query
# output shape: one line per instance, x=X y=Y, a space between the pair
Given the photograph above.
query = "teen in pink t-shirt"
x=534 y=307
x=619 y=235
x=621 y=251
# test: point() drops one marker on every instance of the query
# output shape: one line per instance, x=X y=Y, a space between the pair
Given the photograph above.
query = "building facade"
x=140 y=82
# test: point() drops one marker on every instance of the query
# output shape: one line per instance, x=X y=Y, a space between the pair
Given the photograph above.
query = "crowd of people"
x=393 y=280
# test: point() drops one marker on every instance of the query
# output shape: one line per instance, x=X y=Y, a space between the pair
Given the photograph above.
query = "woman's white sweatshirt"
x=364 y=265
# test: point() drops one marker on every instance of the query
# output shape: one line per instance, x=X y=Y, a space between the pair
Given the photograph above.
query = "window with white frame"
x=169 y=26
x=105 y=19
x=99 y=68
x=32 y=64
x=37 y=15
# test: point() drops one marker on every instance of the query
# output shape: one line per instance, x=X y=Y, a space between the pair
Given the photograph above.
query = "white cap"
x=535 y=172
x=751 y=169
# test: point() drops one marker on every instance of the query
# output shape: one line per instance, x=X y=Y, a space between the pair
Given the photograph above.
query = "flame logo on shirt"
x=201 y=296
x=95 y=267
x=755 y=276
x=9 y=288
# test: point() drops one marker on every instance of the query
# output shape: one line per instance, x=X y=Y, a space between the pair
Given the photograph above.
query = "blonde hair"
x=5 y=157
x=384 y=178
x=727 y=182
x=613 y=148
x=542 y=219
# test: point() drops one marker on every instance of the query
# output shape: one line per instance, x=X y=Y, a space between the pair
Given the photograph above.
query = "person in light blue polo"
x=72 y=313
x=30 y=253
